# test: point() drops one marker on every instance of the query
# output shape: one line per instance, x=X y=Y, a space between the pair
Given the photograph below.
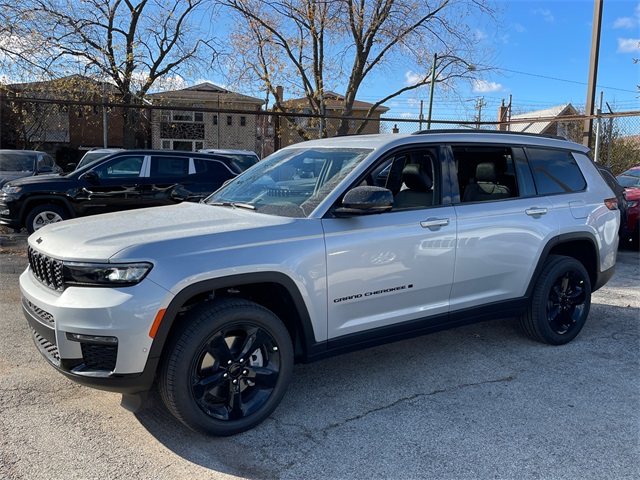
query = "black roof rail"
x=494 y=132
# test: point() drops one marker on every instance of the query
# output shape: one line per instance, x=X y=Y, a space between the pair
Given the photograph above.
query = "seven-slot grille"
x=46 y=269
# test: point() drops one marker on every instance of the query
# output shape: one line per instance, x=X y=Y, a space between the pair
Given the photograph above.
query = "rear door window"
x=555 y=171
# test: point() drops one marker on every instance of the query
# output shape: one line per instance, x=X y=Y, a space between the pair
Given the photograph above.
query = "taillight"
x=611 y=203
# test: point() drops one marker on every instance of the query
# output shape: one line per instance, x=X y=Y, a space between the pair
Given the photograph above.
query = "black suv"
x=123 y=181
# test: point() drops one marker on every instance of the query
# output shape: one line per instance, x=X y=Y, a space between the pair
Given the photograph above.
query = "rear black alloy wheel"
x=561 y=302
x=229 y=368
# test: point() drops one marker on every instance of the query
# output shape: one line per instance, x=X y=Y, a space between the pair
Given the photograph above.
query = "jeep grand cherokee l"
x=324 y=247
x=125 y=180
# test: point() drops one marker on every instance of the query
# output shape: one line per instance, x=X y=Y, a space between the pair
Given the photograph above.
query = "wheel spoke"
x=205 y=385
x=219 y=349
x=577 y=297
x=256 y=338
x=264 y=377
x=234 y=404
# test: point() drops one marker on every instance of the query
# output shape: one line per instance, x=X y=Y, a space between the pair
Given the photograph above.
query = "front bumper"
x=8 y=217
x=98 y=337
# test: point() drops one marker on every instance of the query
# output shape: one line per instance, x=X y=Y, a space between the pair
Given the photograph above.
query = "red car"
x=630 y=180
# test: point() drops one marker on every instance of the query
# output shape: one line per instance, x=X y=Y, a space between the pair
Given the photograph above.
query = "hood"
x=30 y=178
x=10 y=176
x=101 y=237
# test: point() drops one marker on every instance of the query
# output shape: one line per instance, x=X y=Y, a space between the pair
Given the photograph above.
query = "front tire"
x=560 y=303
x=44 y=215
x=228 y=367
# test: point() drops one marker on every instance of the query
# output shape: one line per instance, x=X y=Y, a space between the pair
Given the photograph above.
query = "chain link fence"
x=69 y=128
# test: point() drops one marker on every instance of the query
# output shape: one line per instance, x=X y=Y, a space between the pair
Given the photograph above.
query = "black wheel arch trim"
x=303 y=340
x=25 y=208
x=598 y=278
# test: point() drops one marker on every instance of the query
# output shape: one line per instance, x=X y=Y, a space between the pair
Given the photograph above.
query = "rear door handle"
x=435 y=222
x=536 y=211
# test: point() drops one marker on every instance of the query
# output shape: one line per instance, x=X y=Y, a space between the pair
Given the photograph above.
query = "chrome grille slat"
x=46 y=269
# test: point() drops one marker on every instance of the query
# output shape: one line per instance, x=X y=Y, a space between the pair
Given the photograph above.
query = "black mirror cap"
x=365 y=200
x=91 y=176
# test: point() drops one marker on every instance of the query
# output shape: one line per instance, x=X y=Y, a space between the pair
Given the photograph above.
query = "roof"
x=542 y=126
x=205 y=92
x=79 y=81
x=334 y=101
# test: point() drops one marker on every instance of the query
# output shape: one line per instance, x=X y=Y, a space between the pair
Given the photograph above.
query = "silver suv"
x=324 y=247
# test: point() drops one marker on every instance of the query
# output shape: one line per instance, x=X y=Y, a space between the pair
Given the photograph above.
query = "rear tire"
x=44 y=215
x=227 y=368
x=560 y=303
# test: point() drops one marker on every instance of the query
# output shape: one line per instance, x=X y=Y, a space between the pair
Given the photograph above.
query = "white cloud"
x=482 y=86
x=480 y=35
x=546 y=14
x=628 y=45
x=519 y=28
x=628 y=23
x=411 y=78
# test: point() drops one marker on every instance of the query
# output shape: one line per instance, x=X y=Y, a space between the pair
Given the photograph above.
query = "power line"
x=565 y=80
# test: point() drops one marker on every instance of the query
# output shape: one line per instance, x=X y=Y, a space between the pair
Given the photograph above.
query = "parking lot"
x=476 y=402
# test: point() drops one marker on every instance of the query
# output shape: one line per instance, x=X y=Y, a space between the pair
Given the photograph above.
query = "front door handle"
x=434 y=222
x=534 y=211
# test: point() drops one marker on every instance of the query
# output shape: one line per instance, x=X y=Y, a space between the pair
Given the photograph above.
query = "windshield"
x=629 y=181
x=292 y=182
x=243 y=162
x=91 y=158
x=16 y=162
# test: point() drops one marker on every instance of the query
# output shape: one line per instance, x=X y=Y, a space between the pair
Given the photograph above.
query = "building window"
x=215 y=119
x=198 y=117
x=229 y=120
x=166 y=144
x=182 y=116
x=243 y=121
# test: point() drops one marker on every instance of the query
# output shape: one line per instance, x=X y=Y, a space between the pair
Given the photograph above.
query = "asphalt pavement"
x=476 y=402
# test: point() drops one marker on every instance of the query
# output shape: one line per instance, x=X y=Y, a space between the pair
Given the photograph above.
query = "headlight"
x=104 y=274
x=632 y=203
x=10 y=189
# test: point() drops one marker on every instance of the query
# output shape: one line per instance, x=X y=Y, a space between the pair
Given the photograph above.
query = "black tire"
x=560 y=303
x=227 y=368
x=44 y=215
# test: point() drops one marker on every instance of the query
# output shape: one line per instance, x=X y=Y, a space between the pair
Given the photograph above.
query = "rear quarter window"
x=555 y=171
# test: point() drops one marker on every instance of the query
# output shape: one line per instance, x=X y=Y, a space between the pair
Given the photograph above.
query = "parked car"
x=306 y=255
x=244 y=158
x=92 y=156
x=621 y=195
x=122 y=181
x=25 y=163
x=630 y=180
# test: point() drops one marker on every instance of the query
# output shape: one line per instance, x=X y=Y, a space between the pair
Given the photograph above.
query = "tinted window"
x=487 y=173
x=169 y=166
x=555 y=171
x=212 y=170
x=122 y=167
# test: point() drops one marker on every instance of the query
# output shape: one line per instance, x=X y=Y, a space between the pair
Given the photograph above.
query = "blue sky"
x=543 y=52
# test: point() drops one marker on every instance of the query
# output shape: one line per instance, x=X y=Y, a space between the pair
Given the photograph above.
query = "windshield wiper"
x=246 y=206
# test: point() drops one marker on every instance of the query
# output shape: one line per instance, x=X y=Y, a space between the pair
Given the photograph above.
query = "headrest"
x=414 y=177
x=486 y=172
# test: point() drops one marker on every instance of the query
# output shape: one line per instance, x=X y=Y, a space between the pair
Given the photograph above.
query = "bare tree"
x=313 y=46
x=129 y=43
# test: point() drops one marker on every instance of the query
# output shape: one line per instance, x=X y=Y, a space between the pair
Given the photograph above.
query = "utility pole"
x=587 y=130
x=431 y=87
x=479 y=104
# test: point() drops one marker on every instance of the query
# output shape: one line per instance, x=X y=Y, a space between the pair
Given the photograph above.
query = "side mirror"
x=70 y=167
x=91 y=177
x=365 y=200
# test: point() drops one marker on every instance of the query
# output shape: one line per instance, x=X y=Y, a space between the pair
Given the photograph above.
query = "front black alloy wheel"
x=560 y=303
x=228 y=369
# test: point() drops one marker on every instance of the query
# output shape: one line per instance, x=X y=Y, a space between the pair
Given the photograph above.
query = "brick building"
x=195 y=129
